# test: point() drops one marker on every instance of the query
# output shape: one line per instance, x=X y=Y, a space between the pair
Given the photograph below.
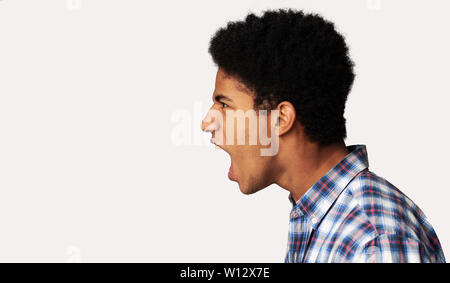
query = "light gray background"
x=90 y=171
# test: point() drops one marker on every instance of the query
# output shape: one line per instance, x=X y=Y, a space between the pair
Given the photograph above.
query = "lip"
x=231 y=174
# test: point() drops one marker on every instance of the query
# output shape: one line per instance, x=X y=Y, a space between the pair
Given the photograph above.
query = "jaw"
x=247 y=184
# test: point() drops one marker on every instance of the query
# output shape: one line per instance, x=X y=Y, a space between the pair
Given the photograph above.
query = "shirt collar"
x=320 y=197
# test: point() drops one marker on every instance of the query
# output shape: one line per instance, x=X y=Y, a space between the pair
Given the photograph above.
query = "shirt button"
x=314 y=220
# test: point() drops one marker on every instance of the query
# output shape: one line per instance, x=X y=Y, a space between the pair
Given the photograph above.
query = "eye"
x=224 y=105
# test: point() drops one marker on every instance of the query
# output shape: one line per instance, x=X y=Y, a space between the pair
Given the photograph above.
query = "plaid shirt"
x=353 y=215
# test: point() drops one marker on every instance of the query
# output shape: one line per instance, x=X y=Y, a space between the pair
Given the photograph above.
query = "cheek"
x=247 y=160
x=240 y=130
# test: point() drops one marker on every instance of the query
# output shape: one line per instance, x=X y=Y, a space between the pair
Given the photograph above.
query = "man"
x=297 y=66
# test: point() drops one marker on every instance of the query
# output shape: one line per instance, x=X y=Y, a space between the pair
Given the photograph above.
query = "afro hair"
x=287 y=55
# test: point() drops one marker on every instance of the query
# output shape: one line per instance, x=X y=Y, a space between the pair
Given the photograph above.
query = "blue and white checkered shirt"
x=353 y=215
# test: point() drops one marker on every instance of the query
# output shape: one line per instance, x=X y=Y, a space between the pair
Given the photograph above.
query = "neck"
x=303 y=163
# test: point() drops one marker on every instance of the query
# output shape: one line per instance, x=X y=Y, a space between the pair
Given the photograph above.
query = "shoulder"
x=396 y=227
x=387 y=208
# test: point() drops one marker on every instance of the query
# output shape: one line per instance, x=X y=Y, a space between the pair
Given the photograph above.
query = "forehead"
x=231 y=87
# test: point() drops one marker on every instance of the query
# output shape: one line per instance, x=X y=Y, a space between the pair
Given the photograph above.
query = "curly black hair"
x=288 y=55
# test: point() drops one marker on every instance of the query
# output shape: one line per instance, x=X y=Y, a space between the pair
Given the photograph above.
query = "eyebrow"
x=220 y=97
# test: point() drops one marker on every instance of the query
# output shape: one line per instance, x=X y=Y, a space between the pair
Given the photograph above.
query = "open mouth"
x=231 y=173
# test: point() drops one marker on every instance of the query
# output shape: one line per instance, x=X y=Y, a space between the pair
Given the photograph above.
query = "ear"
x=286 y=117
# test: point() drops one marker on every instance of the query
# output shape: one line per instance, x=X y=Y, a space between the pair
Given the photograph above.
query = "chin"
x=248 y=190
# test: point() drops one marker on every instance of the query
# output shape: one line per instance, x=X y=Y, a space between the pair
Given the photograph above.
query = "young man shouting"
x=286 y=75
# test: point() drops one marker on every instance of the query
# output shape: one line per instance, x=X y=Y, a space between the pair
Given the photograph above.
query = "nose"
x=209 y=123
